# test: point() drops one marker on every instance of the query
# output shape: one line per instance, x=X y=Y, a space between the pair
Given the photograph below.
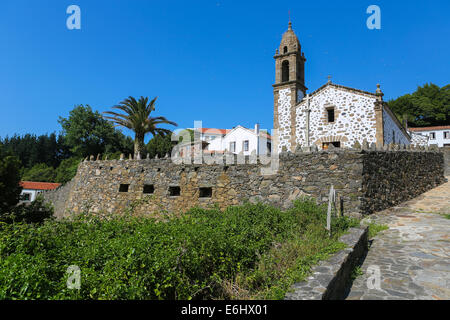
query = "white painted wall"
x=284 y=119
x=439 y=139
x=238 y=135
x=391 y=131
x=33 y=194
x=355 y=120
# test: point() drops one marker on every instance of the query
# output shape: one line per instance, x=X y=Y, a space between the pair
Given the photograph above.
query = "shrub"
x=192 y=257
x=34 y=212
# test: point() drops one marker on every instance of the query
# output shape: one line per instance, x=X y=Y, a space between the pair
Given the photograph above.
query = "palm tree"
x=137 y=118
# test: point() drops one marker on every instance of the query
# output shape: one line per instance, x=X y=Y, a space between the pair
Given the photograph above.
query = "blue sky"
x=205 y=60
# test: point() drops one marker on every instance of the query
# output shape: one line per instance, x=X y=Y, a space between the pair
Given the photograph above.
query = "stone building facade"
x=333 y=114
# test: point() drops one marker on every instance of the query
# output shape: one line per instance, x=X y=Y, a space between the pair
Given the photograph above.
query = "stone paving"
x=412 y=257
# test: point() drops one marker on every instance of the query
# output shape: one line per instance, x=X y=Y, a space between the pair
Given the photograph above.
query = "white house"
x=236 y=140
x=31 y=189
x=438 y=135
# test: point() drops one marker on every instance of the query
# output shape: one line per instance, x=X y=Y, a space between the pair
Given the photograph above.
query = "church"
x=331 y=115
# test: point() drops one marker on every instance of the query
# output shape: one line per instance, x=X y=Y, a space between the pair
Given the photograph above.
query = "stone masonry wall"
x=364 y=181
x=96 y=185
x=446 y=151
x=59 y=197
x=354 y=117
x=390 y=178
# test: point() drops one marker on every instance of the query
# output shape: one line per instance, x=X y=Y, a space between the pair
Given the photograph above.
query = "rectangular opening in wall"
x=26 y=196
x=174 y=191
x=330 y=113
x=149 y=189
x=336 y=144
x=205 y=192
x=123 y=187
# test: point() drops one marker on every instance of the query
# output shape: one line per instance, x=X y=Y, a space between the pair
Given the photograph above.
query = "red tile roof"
x=39 y=185
x=429 y=128
x=225 y=131
x=214 y=131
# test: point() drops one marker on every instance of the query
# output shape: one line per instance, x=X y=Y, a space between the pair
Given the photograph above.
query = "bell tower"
x=288 y=90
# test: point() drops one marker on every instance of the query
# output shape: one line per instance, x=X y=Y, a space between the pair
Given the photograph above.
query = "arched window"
x=285 y=71
x=285 y=50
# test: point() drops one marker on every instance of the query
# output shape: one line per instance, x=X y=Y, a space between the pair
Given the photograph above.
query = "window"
x=26 y=196
x=149 y=189
x=233 y=146
x=285 y=49
x=330 y=114
x=285 y=71
x=432 y=135
x=336 y=144
x=446 y=134
x=205 y=192
x=245 y=146
x=393 y=136
x=174 y=191
x=123 y=187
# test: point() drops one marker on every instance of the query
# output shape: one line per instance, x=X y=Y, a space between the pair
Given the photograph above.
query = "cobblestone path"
x=412 y=257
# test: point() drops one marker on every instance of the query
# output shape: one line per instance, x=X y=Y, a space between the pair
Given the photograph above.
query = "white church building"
x=333 y=114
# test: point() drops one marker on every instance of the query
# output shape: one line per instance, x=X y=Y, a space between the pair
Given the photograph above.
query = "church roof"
x=342 y=87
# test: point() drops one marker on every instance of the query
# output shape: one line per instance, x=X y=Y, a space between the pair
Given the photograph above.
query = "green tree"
x=9 y=181
x=137 y=117
x=429 y=105
x=39 y=172
x=67 y=170
x=32 y=149
x=162 y=144
x=87 y=133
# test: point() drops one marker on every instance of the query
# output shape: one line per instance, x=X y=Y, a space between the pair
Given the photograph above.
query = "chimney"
x=257 y=128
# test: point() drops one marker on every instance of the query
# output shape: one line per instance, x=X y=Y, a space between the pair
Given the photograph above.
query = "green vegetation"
x=10 y=195
x=9 y=181
x=252 y=251
x=137 y=117
x=447 y=216
x=34 y=212
x=356 y=272
x=374 y=228
x=429 y=105
x=87 y=133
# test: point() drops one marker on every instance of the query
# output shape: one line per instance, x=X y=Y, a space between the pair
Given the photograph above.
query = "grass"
x=375 y=228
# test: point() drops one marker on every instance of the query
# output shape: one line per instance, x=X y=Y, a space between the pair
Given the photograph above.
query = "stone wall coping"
x=359 y=149
x=331 y=278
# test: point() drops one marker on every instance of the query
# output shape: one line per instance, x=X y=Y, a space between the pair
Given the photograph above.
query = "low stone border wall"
x=331 y=279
